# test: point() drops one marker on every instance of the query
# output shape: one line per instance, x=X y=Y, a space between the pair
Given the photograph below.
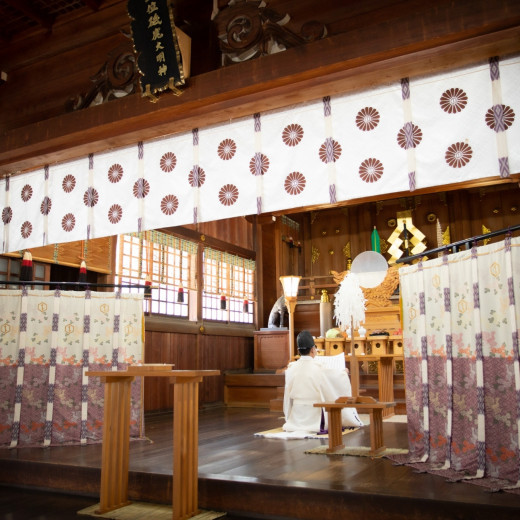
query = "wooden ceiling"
x=18 y=17
x=52 y=49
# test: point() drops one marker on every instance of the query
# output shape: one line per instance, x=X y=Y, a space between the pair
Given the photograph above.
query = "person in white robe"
x=307 y=382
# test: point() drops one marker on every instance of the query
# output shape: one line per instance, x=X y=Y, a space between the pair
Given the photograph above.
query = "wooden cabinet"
x=271 y=350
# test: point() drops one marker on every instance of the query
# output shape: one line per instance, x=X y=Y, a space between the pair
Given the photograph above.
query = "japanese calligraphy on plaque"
x=155 y=41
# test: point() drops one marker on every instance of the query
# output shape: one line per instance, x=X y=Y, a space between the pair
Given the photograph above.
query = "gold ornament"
x=315 y=254
x=446 y=239
x=412 y=241
x=485 y=230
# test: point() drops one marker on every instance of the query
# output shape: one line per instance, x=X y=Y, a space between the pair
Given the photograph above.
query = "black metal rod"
x=73 y=284
x=455 y=245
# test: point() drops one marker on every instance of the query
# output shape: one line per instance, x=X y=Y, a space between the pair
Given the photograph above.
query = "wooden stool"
x=397 y=345
x=320 y=345
x=358 y=345
x=378 y=345
x=334 y=346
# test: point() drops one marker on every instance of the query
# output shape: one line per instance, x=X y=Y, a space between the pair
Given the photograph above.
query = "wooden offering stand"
x=116 y=436
x=373 y=407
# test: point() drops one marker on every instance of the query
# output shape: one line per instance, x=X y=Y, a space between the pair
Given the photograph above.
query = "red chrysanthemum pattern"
x=197 y=177
x=169 y=204
x=26 y=193
x=26 y=229
x=453 y=100
x=409 y=136
x=259 y=164
x=168 y=162
x=68 y=222
x=115 y=213
x=294 y=183
x=227 y=149
x=371 y=170
x=458 y=155
x=7 y=215
x=228 y=194
x=115 y=173
x=69 y=183
x=45 y=206
x=500 y=117
x=292 y=134
x=141 y=188
x=330 y=151
x=91 y=197
x=367 y=119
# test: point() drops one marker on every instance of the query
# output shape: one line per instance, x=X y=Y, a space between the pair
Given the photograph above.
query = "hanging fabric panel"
x=461 y=319
x=417 y=133
x=48 y=340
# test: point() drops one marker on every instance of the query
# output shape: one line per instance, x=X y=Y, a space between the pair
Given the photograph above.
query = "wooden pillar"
x=185 y=447
x=376 y=431
x=335 y=430
x=114 y=453
x=385 y=378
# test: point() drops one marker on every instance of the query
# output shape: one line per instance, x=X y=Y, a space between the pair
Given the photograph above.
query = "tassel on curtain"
x=26 y=270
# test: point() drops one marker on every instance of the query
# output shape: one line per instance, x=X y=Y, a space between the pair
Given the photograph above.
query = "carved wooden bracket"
x=248 y=30
x=117 y=77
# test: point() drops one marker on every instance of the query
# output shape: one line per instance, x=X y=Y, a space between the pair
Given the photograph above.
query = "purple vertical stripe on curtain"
x=471 y=317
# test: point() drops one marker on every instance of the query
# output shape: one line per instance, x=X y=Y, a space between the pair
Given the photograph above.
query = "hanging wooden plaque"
x=155 y=41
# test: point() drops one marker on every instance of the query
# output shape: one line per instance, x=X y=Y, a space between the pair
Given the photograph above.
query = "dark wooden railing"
x=455 y=246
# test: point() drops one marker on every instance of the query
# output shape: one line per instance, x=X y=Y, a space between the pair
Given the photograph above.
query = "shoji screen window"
x=165 y=262
x=228 y=293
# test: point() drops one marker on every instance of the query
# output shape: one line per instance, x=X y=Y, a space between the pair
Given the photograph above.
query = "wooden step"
x=252 y=390
x=261 y=390
x=276 y=405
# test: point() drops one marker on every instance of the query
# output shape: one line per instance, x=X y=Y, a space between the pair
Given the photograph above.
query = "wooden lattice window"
x=10 y=271
x=166 y=262
x=228 y=293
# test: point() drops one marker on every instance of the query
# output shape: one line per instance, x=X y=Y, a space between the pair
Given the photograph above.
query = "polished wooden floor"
x=246 y=476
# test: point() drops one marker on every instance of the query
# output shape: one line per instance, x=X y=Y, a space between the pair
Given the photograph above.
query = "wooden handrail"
x=455 y=245
x=315 y=285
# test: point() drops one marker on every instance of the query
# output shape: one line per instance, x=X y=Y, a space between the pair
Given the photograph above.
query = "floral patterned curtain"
x=461 y=318
x=48 y=340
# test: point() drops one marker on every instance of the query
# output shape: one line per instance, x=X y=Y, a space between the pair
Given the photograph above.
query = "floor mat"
x=142 y=510
x=357 y=451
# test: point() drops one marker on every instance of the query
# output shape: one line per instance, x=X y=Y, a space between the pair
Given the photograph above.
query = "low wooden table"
x=116 y=436
x=369 y=404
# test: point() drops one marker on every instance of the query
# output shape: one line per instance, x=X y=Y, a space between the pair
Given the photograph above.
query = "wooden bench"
x=369 y=404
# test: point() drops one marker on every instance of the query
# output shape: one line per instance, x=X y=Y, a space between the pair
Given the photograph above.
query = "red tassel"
x=246 y=306
x=148 y=289
x=82 y=272
x=180 y=295
x=223 y=303
x=26 y=271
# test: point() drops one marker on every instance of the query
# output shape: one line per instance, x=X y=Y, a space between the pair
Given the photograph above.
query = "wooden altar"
x=379 y=352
